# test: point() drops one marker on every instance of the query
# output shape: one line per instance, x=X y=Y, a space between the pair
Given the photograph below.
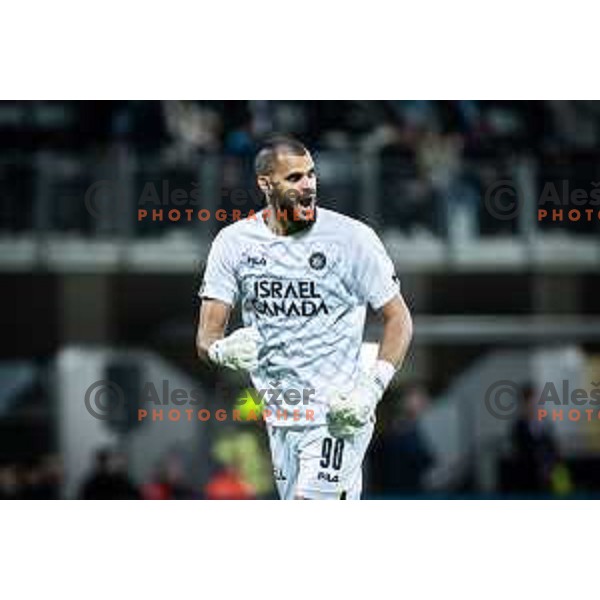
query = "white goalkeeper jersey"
x=307 y=295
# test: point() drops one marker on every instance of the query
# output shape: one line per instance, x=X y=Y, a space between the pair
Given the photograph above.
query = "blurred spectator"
x=36 y=480
x=417 y=115
x=228 y=484
x=401 y=455
x=244 y=455
x=193 y=128
x=170 y=482
x=33 y=482
x=139 y=122
x=9 y=482
x=491 y=176
x=575 y=124
x=440 y=161
x=16 y=201
x=534 y=448
x=51 y=470
x=109 y=479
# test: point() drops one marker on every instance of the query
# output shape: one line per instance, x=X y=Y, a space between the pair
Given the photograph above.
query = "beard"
x=298 y=208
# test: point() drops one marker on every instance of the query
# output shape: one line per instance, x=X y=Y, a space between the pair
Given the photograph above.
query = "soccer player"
x=304 y=276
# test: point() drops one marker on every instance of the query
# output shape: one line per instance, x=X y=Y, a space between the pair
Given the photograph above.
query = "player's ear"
x=264 y=183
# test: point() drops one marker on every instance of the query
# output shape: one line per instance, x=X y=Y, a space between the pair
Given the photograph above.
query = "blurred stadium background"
x=92 y=293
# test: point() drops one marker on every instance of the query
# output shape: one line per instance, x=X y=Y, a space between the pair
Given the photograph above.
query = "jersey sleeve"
x=219 y=280
x=374 y=273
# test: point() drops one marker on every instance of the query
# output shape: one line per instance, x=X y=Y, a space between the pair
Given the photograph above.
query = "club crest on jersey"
x=317 y=261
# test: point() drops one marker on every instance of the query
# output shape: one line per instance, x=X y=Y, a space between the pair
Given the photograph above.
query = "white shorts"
x=309 y=463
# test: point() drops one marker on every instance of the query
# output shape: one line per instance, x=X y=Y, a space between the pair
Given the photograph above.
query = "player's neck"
x=285 y=227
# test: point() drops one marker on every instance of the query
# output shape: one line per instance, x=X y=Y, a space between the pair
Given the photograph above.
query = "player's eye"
x=293 y=178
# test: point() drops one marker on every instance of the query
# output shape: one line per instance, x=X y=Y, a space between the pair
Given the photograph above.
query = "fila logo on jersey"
x=317 y=261
x=328 y=477
x=257 y=262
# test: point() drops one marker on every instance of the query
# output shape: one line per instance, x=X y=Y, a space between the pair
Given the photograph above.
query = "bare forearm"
x=214 y=316
x=397 y=335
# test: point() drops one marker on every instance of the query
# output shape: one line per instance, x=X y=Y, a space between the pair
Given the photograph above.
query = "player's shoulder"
x=346 y=226
x=240 y=229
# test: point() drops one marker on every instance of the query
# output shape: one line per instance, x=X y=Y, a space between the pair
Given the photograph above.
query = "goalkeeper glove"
x=349 y=412
x=237 y=351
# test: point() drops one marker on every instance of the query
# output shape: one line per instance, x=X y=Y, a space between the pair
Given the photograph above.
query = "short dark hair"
x=264 y=162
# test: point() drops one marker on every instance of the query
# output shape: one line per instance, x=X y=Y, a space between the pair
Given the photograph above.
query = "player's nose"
x=307 y=186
